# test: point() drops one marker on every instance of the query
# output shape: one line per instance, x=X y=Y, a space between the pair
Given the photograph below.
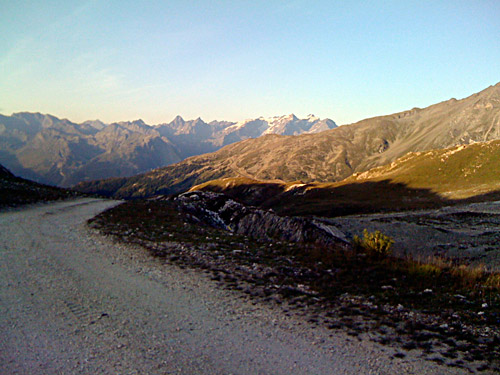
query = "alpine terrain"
x=47 y=149
x=328 y=156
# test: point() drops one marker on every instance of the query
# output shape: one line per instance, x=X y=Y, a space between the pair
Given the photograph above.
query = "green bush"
x=374 y=243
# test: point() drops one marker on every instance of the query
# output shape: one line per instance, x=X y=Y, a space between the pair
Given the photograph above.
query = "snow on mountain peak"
x=283 y=125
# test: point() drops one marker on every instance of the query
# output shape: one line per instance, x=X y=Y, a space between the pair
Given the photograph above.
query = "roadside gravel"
x=75 y=302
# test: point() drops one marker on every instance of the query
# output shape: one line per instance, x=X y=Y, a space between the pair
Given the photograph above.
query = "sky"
x=232 y=60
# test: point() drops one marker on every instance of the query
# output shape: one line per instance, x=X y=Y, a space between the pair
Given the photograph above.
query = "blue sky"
x=233 y=60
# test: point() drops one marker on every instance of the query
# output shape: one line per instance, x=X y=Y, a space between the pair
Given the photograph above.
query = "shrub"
x=374 y=243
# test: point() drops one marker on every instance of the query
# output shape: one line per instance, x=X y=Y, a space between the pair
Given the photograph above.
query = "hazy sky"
x=231 y=60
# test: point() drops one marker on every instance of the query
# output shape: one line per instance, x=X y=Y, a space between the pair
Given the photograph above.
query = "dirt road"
x=72 y=302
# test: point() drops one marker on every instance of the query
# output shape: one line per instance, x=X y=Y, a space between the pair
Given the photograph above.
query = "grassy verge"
x=450 y=312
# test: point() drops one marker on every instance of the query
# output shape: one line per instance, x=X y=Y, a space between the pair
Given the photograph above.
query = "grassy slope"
x=457 y=173
x=417 y=180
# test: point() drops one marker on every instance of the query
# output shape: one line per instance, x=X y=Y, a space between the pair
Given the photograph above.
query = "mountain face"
x=331 y=155
x=282 y=125
x=59 y=152
x=196 y=137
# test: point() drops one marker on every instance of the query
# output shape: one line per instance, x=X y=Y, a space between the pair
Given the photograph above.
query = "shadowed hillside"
x=16 y=191
x=328 y=200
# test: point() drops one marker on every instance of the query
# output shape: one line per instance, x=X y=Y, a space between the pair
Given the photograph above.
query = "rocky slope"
x=331 y=155
x=60 y=152
x=196 y=137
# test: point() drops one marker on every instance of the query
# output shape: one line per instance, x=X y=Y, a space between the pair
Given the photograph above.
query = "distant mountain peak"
x=139 y=122
x=290 y=117
x=282 y=125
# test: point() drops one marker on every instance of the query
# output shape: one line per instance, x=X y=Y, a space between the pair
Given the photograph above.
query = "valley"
x=233 y=187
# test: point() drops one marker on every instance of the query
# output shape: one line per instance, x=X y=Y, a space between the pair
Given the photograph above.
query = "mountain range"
x=328 y=156
x=59 y=152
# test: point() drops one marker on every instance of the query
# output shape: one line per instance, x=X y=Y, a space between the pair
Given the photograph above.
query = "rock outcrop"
x=218 y=210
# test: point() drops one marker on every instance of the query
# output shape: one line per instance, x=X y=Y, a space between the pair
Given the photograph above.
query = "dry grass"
x=493 y=281
x=471 y=277
x=423 y=270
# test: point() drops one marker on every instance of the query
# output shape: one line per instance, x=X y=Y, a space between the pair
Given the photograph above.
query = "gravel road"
x=74 y=302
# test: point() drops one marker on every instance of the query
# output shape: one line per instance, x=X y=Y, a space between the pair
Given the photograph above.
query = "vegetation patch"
x=375 y=244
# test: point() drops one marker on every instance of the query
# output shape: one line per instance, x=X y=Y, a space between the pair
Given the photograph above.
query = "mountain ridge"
x=331 y=155
x=57 y=151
